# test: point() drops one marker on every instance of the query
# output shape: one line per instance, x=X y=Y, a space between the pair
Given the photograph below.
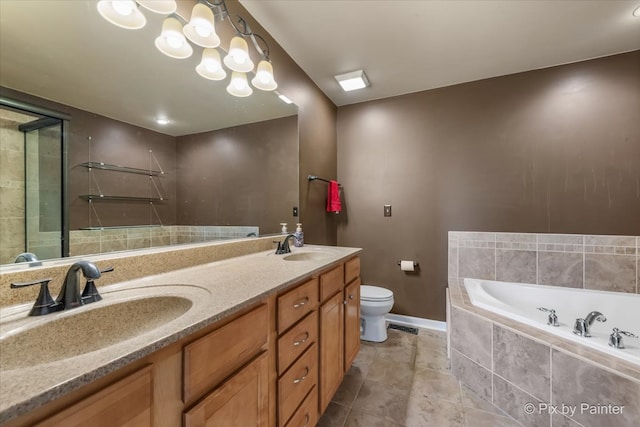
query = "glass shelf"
x=116 y=168
x=99 y=197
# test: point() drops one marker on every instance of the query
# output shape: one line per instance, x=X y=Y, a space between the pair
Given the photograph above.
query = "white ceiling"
x=410 y=46
x=63 y=50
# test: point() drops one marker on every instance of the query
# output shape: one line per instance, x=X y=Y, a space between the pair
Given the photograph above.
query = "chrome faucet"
x=70 y=296
x=553 y=317
x=615 y=339
x=283 y=247
x=26 y=257
x=582 y=326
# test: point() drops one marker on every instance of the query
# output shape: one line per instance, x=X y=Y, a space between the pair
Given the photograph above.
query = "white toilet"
x=375 y=303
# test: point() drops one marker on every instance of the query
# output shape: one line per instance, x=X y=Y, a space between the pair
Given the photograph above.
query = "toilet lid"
x=375 y=293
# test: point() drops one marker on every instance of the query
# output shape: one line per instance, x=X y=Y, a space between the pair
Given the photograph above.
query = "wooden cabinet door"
x=351 y=322
x=241 y=401
x=331 y=348
x=127 y=403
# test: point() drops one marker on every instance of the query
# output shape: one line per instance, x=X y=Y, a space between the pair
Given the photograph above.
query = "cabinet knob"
x=307 y=418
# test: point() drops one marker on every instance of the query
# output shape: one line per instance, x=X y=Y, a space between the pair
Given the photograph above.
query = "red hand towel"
x=333 y=197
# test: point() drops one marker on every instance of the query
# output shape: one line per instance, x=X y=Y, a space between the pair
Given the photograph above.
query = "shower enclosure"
x=33 y=214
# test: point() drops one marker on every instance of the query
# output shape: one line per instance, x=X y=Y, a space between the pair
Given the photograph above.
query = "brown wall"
x=554 y=150
x=244 y=175
x=317 y=135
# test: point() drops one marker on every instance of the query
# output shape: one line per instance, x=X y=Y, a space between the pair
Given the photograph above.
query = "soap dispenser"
x=299 y=236
x=284 y=228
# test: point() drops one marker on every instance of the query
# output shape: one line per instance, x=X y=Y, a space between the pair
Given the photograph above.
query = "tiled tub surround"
x=512 y=364
x=520 y=302
x=218 y=289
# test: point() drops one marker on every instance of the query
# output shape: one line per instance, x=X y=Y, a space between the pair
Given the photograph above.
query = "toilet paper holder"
x=415 y=264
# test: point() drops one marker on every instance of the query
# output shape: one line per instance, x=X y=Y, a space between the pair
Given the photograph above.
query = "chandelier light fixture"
x=177 y=35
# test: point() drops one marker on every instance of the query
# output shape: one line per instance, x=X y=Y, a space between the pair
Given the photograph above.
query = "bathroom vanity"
x=265 y=341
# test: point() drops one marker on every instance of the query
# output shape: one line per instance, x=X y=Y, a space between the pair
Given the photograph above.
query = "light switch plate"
x=387 y=210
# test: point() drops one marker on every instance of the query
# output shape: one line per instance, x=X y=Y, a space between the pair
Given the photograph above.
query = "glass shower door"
x=43 y=187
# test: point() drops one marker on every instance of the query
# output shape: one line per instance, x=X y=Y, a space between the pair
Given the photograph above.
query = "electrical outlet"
x=387 y=210
x=295 y=211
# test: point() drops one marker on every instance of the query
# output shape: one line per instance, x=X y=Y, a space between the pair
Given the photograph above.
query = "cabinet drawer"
x=331 y=282
x=297 y=340
x=351 y=270
x=307 y=414
x=242 y=400
x=296 y=383
x=212 y=358
x=296 y=303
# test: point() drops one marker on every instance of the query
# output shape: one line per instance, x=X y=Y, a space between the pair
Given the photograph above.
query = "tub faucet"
x=583 y=326
x=615 y=339
x=70 y=296
x=553 y=317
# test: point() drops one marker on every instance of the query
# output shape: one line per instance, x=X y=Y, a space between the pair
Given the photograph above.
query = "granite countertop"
x=187 y=300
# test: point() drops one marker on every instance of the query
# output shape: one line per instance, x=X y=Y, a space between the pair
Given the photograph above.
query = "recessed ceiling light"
x=162 y=121
x=636 y=12
x=352 y=80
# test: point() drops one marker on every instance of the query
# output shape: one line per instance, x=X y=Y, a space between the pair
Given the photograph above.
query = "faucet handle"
x=615 y=339
x=553 y=318
x=90 y=292
x=44 y=302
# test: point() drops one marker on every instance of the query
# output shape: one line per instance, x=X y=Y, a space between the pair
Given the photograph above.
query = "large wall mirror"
x=223 y=167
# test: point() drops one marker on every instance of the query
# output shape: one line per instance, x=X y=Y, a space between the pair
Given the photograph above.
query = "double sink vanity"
x=250 y=339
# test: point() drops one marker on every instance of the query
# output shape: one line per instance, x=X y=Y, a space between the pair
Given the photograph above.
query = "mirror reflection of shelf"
x=117 y=168
x=95 y=193
x=99 y=197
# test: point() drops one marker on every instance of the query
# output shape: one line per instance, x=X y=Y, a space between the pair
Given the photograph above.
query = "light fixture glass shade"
x=264 y=76
x=163 y=7
x=201 y=28
x=123 y=13
x=239 y=86
x=238 y=57
x=211 y=66
x=171 y=41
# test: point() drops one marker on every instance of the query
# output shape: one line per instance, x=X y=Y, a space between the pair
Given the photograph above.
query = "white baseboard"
x=416 y=322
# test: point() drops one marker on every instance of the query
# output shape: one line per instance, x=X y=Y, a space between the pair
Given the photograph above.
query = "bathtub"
x=520 y=302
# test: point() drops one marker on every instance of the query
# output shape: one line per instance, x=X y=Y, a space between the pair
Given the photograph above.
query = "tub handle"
x=553 y=318
x=615 y=340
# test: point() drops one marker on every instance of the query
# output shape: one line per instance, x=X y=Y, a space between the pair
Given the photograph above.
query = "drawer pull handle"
x=301 y=302
x=351 y=296
x=303 y=377
x=302 y=341
x=307 y=418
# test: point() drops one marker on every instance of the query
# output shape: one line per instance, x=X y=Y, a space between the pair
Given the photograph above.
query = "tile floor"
x=406 y=382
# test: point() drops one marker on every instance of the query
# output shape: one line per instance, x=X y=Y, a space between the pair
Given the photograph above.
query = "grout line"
x=550 y=383
x=584 y=267
x=537 y=261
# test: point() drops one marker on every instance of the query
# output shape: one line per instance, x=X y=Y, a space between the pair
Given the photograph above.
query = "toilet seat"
x=375 y=293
